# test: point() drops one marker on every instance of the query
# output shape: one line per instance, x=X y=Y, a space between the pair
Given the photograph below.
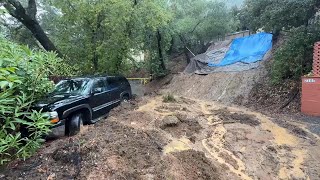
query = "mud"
x=193 y=165
x=181 y=127
x=187 y=139
x=227 y=116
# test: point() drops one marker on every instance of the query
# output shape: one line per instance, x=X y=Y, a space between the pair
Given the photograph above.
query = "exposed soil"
x=227 y=87
x=229 y=117
x=181 y=127
x=193 y=165
x=275 y=98
x=186 y=139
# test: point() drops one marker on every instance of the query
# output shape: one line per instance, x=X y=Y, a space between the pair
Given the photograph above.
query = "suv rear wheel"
x=125 y=98
x=74 y=124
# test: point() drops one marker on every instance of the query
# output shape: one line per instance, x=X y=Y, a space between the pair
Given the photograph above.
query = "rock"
x=51 y=176
x=169 y=121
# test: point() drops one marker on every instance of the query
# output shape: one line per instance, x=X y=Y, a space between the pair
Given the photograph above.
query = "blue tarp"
x=247 y=50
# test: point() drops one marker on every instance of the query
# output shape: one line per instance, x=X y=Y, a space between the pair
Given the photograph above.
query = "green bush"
x=294 y=58
x=169 y=98
x=23 y=79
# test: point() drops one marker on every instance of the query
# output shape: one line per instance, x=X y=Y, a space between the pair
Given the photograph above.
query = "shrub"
x=23 y=79
x=169 y=98
x=295 y=56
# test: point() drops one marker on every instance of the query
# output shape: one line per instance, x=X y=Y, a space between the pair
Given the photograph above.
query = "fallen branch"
x=293 y=95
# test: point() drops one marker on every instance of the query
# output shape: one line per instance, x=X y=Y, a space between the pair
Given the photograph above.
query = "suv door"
x=99 y=100
x=114 y=90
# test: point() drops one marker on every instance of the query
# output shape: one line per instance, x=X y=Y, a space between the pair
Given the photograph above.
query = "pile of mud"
x=226 y=87
x=185 y=139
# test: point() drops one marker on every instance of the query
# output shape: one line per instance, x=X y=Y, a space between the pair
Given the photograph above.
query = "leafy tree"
x=298 y=21
x=196 y=23
x=295 y=57
x=28 y=17
x=100 y=36
x=275 y=15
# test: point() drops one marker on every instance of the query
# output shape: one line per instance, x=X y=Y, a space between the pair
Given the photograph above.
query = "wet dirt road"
x=185 y=139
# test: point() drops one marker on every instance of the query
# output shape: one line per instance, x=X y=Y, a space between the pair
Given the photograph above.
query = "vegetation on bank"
x=294 y=21
x=23 y=79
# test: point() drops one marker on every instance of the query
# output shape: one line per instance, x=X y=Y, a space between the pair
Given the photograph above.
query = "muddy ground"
x=185 y=139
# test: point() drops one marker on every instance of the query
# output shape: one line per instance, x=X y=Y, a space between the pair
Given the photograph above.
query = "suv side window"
x=112 y=83
x=99 y=86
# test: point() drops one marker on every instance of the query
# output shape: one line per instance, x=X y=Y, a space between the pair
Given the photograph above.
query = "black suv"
x=80 y=101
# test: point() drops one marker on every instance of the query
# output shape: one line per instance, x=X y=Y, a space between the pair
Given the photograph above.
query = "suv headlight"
x=53 y=116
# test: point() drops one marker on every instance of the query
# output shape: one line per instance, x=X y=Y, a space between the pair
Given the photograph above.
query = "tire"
x=74 y=124
x=125 y=98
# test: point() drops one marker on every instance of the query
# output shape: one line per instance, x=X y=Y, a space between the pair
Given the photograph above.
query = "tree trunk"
x=186 y=53
x=95 y=62
x=203 y=47
x=95 y=37
x=185 y=48
x=163 y=66
x=41 y=36
x=28 y=18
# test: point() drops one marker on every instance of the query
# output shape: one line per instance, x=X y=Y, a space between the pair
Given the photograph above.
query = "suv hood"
x=57 y=100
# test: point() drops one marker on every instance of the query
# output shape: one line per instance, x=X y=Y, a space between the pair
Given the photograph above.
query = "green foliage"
x=275 y=15
x=100 y=36
x=294 y=18
x=295 y=57
x=169 y=98
x=200 y=21
x=23 y=79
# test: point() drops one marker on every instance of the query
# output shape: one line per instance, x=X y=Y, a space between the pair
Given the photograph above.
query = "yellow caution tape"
x=144 y=81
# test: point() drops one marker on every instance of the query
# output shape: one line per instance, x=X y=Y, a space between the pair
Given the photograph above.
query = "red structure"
x=310 y=100
x=316 y=60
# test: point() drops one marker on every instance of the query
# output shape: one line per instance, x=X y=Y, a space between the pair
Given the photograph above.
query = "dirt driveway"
x=185 y=139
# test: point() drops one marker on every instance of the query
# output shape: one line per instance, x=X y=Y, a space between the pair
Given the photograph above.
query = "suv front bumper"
x=58 y=130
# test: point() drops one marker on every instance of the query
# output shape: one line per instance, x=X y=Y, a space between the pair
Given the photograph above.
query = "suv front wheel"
x=74 y=124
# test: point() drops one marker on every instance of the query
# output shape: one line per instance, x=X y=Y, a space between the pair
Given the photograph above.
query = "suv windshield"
x=73 y=86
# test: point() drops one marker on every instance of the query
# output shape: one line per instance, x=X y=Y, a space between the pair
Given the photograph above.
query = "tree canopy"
x=297 y=24
x=103 y=36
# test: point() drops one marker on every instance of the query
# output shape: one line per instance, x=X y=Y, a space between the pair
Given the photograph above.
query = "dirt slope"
x=186 y=139
x=227 y=87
